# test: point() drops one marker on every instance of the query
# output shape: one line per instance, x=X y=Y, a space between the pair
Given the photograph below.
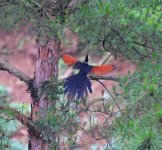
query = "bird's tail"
x=77 y=86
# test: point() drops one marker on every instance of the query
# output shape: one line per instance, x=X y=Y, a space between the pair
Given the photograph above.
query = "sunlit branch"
x=105 y=77
x=4 y=66
x=109 y=94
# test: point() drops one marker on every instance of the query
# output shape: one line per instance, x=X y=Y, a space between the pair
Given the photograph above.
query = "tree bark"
x=46 y=68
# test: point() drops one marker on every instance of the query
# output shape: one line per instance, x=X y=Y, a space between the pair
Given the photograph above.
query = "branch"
x=41 y=7
x=7 y=3
x=3 y=4
x=106 y=77
x=14 y=71
x=21 y=118
x=110 y=94
x=140 y=53
x=74 y=3
x=106 y=59
x=33 y=128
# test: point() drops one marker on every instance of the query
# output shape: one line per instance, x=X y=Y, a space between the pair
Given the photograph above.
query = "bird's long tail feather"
x=77 y=86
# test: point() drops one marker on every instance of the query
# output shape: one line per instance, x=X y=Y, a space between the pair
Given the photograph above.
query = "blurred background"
x=18 y=48
x=124 y=33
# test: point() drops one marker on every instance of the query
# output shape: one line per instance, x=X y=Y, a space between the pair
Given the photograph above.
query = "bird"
x=78 y=85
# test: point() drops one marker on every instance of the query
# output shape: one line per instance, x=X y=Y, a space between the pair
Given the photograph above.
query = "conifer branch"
x=4 y=66
x=32 y=127
x=105 y=77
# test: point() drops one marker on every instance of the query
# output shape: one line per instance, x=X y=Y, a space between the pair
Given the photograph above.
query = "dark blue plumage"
x=78 y=85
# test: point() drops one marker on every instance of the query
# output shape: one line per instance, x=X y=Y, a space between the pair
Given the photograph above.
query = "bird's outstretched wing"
x=71 y=61
x=102 y=70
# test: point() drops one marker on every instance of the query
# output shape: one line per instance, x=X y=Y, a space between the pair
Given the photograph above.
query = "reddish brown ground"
x=18 y=48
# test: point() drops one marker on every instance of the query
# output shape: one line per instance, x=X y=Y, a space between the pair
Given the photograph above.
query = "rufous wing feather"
x=69 y=60
x=102 y=70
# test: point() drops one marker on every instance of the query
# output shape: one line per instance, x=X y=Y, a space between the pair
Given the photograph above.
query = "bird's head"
x=86 y=59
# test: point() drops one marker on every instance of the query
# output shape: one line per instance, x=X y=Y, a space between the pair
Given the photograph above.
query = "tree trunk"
x=46 y=68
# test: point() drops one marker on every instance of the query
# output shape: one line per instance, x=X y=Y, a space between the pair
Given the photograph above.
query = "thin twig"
x=8 y=2
x=41 y=7
x=106 y=59
x=140 y=53
x=14 y=71
x=3 y=4
x=67 y=3
x=109 y=94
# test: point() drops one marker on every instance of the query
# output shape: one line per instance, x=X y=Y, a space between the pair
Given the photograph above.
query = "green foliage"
x=4 y=94
x=139 y=125
x=122 y=27
x=53 y=88
x=7 y=128
x=11 y=13
x=60 y=118
x=127 y=29
x=8 y=125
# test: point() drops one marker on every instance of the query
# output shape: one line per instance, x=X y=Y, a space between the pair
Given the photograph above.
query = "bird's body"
x=78 y=85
